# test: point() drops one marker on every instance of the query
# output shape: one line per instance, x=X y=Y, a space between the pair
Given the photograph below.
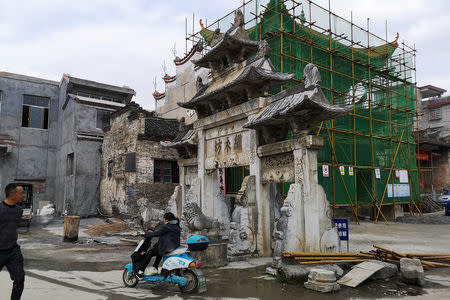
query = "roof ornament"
x=238 y=18
x=174 y=50
x=216 y=37
x=264 y=49
x=199 y=83
x=164 y=67
x=312 y=76
x=154 y=84
x=302 y=17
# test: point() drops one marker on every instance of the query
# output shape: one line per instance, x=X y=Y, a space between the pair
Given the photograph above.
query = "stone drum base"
x=216 y=253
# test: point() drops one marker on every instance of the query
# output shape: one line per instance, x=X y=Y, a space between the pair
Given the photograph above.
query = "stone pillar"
x=182 y=181
x=263 y=232
x=305 y=166
x=201 y=167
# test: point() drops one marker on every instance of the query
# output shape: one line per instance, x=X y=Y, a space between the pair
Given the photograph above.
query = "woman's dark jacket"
x=169 y=237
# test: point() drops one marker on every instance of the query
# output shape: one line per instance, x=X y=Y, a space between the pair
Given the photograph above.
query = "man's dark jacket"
x=169 y=237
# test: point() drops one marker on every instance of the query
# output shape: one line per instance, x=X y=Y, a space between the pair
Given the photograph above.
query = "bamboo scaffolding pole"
x=314 y=258
x=390 y=173
x=331 y=261
x=374 y=81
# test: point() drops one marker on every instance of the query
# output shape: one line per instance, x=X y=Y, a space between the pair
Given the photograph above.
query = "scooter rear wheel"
x=129 y=279
x=192 y=282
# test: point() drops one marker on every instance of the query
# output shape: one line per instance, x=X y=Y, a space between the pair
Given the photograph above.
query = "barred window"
x=166 y=171
x=435 y=113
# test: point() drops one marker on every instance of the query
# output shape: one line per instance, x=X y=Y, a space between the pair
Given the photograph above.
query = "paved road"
x=66 y=271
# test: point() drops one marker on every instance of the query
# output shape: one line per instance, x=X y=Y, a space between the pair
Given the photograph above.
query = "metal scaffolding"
x=368 y=151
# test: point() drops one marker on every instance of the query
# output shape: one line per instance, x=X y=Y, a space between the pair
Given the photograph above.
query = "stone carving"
x=279 y=234
x=312 y=76
x=279 y=160
x=193 y=194
x=196 y=220
x=237 y=142
x=242 y=240
x=227 y=145
x=151 y=216
x=218 y=146
x=174 y=204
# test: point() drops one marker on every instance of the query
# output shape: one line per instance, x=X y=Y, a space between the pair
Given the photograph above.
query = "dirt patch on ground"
x=107 y=229
x=430 y=218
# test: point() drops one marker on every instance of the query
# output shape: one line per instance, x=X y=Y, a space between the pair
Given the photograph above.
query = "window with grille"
x=234 y=177
x=166 y=171
x=35 y=111
x=435 y=113
x=130 y=162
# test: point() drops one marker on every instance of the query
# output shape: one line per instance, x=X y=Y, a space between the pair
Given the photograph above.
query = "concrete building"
x=434 y=137
x=50 y=138
x=29 y=109
x=134 y=164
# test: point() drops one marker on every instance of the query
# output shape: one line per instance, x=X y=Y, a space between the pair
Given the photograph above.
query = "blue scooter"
x=179 y=267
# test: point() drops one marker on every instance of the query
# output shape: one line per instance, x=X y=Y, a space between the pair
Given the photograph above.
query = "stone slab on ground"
x=322 y=280
x=411 y=271
x=360 y=273
x=389 y=270
x=300 y=273
x=322 y=286
x=272 y=271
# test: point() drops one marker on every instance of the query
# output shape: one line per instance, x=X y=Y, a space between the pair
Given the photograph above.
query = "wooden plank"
x=359 y=273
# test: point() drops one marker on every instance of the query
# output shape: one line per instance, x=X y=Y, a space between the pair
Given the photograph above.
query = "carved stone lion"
x=196 y=220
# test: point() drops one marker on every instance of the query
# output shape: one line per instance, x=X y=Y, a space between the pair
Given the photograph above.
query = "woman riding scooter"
x=169 y=240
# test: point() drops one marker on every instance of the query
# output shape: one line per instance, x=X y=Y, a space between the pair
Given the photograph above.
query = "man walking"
x=10 y=254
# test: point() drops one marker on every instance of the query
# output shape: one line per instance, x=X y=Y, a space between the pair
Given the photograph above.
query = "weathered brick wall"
x=147 y=152
x=119 y=190
x=158 y=194
x=442 y=171
x=115 y=182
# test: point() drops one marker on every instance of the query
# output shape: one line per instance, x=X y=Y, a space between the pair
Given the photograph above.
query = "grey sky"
x=126 y=42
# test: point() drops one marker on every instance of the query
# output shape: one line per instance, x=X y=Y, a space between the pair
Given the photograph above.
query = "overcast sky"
x=125 y=42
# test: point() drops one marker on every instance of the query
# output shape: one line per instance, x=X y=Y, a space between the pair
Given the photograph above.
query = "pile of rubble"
x=115 y=225
x=428 y=205
x=323 y=271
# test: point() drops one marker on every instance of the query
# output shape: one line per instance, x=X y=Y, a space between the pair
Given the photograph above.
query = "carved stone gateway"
x=240 y=126
x=304 y=224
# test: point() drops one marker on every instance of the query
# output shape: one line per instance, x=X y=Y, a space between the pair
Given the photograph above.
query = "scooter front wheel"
x=192 y=282
x=129 y=278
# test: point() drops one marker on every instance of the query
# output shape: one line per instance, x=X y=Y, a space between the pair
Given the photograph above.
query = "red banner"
x=422 y=155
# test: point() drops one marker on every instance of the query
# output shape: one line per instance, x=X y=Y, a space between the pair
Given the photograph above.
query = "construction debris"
x=411 y=271
x=382 y=254
x=360 y=273
x=107 y=229
x=428 y=205
x=322 y=280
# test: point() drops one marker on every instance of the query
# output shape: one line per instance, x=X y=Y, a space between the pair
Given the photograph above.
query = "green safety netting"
x=375 y=79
